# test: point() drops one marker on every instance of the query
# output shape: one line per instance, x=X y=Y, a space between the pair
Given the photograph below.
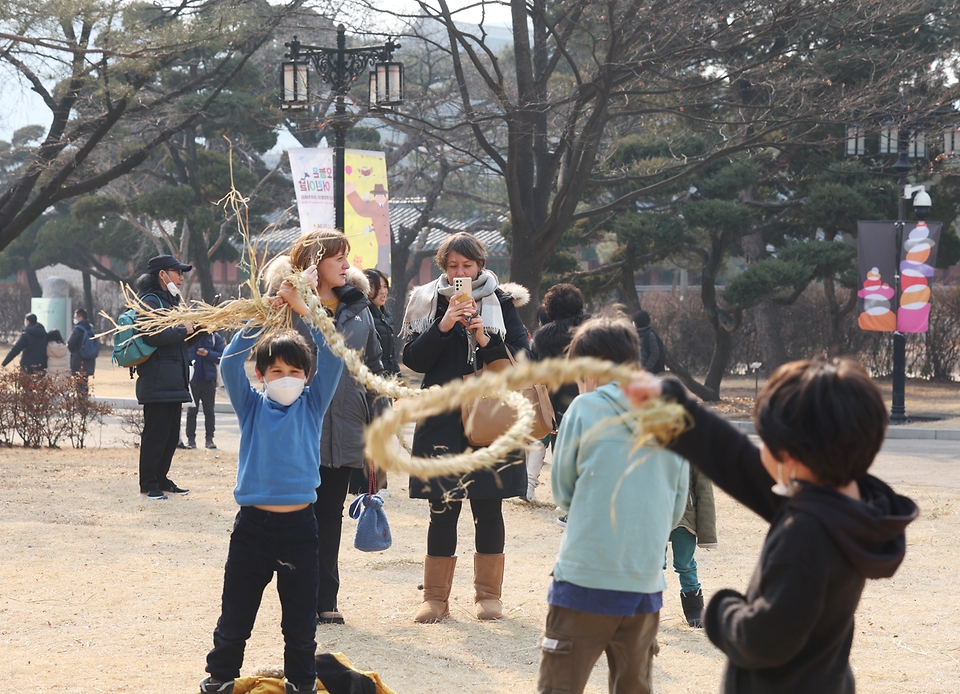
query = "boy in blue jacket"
x=275 y=529
x=608 y=580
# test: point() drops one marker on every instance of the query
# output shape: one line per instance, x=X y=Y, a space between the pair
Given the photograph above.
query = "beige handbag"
x=485 y=419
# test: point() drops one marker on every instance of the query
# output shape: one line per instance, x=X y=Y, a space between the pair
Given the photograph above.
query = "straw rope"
x=659 y=421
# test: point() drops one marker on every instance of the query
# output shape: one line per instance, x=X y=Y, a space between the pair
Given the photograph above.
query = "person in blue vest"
x=204 y=355
x=83 y=330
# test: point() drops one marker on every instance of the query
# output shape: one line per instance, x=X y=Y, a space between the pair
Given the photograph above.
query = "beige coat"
x=58 y=363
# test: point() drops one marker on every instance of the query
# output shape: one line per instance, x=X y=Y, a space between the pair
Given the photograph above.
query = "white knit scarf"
x=422 y=306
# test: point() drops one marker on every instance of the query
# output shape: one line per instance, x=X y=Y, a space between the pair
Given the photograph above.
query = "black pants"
x=158 y=442
x=204 y=394
x=328 y=510
x=487 y=522
x=263 y=542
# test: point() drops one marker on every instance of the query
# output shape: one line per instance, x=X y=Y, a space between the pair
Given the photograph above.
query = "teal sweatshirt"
x=593 y=451
x=279 y=446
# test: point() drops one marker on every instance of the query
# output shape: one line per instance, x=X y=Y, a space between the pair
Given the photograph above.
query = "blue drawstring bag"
x=373 y=531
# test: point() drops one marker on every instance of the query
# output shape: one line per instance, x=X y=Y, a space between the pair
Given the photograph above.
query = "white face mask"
x=284 y=391
x=173 y=289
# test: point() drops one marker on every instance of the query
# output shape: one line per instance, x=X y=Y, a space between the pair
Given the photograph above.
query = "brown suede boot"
x=488 y=582
x=437 y=579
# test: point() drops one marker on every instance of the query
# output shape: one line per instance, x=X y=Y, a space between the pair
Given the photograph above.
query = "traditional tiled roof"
x=403 y=212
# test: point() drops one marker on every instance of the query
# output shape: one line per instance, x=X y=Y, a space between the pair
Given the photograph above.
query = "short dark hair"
x=377 y=279
x=641 y=319
x=467 y=245
x=287 y=345
x=81 y=312
x=31 y=318
x=829 y=415
x=613 y=339
x=563 y=301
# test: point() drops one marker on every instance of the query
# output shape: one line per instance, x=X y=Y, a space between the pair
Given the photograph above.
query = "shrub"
x=42 y=409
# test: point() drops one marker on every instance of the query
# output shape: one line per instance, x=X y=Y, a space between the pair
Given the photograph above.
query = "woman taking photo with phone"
x=448 y=336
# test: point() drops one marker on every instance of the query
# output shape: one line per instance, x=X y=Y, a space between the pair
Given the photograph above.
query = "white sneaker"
x=531 y=493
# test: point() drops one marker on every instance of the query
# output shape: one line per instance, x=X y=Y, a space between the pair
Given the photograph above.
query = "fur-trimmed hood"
x=519 y=293
x=279 y=268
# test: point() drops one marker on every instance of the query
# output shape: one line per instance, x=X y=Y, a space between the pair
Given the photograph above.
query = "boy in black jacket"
x=832 y=525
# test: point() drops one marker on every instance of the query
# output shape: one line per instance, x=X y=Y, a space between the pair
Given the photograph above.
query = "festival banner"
x=876 y=260
x=918 y=257
x=312 y=170
x=366 y=209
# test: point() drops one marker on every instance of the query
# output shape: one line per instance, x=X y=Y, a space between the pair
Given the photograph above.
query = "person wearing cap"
x=163 y=381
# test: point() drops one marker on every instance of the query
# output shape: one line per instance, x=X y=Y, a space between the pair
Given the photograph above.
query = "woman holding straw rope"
x=447 y=339
x=342 y=290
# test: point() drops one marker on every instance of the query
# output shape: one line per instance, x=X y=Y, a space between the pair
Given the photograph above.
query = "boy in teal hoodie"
x=608 y=580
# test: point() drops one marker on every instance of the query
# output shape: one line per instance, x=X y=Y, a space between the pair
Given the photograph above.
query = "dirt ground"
x=104 y=591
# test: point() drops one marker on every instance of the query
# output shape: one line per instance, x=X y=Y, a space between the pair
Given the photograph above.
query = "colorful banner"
x=919 y=254
x=367 y=210
x=312 y=170
x=877 y=260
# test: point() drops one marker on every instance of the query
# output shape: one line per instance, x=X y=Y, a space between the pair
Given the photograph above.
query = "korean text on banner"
x=312 y=170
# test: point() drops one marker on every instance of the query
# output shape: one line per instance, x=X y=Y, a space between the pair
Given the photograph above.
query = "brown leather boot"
x=488 y=582
x=437 y=579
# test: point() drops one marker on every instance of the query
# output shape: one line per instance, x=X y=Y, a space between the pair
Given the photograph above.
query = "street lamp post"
x=898 y=411
x=340 y=67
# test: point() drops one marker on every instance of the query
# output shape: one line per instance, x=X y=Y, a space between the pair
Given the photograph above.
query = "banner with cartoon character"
x=919 y=254
x=877 y=261
x=367 y=210
x=312 y=170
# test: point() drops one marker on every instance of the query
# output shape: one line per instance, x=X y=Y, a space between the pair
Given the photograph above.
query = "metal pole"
x=898 y=410
x=340 y=130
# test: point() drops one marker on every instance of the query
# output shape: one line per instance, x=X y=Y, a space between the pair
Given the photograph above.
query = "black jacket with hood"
x=165 y=376
x=793 y=629
x=32 y=348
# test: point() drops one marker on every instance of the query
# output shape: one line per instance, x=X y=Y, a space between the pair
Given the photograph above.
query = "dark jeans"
x=204 y=394
x=328 y=510
x=487 y=521
x=264 y=542
x=158 y=442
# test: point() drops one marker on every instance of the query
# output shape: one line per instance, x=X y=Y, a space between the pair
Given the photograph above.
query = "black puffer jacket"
x=442 y=358
x=388 y=342
x=164 y=377
x=341 y=440
x=550 y=341
x=32 y=348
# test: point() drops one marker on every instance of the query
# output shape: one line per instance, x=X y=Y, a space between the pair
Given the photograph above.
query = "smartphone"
x=464 y=288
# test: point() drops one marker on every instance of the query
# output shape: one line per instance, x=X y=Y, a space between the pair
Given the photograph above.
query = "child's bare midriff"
x=282 y=509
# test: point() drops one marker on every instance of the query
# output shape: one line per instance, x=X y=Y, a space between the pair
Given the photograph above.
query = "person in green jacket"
x=697 y=528
x=623 y=501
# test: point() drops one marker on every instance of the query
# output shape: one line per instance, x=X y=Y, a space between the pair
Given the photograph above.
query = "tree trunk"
x=678 y=370
x=202 y=266
x=723 y=345
x=32 y=280
x=88 y=295
x=628 y=285
x=773 y=352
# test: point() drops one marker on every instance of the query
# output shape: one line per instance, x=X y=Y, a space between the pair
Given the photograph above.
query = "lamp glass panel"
x=395 y=82
x=918 y=145
x=889 y=139
x=855 y=145
x=950 y=140
x=373 y=88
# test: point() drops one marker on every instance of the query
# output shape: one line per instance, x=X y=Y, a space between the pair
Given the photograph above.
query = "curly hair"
x=563 y=301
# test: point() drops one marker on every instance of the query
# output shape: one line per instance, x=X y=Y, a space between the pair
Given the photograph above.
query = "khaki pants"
x=573 y=641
